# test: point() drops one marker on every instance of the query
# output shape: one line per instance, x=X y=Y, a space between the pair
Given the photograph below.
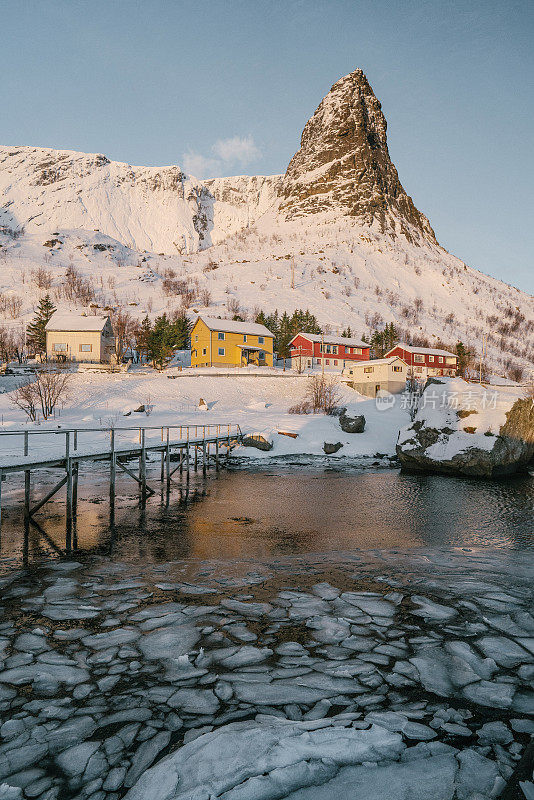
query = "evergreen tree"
x=182 y=331
x=35 y=331
x=164 y=338
x=143 y=334
x=465 y=357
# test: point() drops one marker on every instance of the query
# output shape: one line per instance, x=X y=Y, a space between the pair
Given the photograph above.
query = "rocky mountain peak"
x=344 y=165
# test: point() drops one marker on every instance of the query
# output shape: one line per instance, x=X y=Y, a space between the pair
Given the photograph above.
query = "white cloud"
x=200 y=166
x=241 y=150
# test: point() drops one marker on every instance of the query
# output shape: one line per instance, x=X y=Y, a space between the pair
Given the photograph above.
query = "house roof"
x=427 y=351
x=375 y=361
x=75 y=322
x=317 y=337
x=234 y=326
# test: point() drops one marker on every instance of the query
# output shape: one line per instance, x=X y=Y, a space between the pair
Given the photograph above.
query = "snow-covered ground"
x=258 y=403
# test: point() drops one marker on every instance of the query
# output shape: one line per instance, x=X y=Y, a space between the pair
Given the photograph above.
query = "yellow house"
x=228 y=343
x=75 y=337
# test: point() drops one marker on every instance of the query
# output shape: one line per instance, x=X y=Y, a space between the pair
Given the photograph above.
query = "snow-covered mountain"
x=336 y=234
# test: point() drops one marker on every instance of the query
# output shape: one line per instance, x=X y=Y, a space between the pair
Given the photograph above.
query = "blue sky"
x=226 y=88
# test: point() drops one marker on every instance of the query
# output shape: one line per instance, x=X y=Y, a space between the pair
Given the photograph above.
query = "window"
x=261 y=339
x=196 y=337
x=328 y=361
x=440 y=359
x=86 y=348
x=221 y=351
x=368 y=369
x=220 y=336
x=60 y=347
x=328 y=348
x=431 y=358
x=335 y=362
x=397 y=369
x=419 y=359
x=334 y=348
x=204 y=352
x=244 y=337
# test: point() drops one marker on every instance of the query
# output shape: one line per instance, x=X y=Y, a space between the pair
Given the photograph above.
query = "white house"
x=76 y=337
x=377 y=375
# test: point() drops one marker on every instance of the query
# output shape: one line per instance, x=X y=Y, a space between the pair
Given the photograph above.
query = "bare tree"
x=24 y=397
x=124 y=328
x=49 y=387
x=322 y=394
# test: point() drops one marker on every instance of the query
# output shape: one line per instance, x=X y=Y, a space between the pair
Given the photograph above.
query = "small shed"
x=379 y=374
x=80 y=338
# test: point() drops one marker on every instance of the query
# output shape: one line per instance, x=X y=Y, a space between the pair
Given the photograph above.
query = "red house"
x=310 y=350
x=425 y=362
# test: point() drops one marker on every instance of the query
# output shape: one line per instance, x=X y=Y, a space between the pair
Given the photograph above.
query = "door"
x=377 y=388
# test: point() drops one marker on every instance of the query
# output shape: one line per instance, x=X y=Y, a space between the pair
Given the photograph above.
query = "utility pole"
x=322 y=353
x=293 y=272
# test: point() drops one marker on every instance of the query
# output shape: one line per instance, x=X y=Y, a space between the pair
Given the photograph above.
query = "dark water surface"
x=276 y=512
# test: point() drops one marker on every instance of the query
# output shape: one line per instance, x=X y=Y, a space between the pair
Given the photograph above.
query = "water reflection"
x=276 y=513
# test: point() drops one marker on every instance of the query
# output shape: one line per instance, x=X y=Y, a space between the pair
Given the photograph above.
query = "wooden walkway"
x=193 y=447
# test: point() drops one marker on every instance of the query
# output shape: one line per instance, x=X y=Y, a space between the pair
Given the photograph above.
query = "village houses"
x=426 y=362
x=378 y=375
x=80 y=338
x=331 y=353
x=230 y=343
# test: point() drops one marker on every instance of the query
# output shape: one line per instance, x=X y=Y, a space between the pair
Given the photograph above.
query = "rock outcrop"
x=465 y=441
x=344 y=165
x=330 y=448
x=258 y=441
x=350 y=424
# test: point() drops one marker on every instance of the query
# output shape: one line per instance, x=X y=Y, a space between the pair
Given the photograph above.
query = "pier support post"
x=143 y=467
x=196 y=457
x=217 y=455
x=187 y=467
x=112 y=471
x=26 y=482
x=168 y=462
x=204 y=455
x=75 y=468
x=68 y=467
x=162 y=470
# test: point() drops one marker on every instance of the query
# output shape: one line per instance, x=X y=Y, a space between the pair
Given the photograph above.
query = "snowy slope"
x=146 y=208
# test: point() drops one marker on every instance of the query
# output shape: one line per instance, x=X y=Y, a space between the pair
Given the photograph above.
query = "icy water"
x=288 y=510
x=289 y=632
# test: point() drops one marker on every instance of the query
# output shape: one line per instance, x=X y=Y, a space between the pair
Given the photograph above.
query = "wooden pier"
x=182 y=448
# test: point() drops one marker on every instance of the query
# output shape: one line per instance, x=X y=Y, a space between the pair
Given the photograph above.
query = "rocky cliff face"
x=146 y=208
x=343 y=164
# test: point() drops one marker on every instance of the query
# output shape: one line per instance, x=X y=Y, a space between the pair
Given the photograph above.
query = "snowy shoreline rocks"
x=469 y=429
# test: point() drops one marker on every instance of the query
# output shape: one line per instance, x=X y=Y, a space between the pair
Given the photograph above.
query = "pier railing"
x=42 y=449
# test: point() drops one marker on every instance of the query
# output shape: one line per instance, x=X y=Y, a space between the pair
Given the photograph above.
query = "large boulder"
x=469 y=429
x=330 y=448
x=258 y=441
x=351 y=424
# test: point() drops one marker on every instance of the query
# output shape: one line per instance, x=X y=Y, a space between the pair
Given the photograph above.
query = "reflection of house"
x=75 y=337
x=308 y=350
x=425 y=362
x=229 y=343
x=381 y=374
